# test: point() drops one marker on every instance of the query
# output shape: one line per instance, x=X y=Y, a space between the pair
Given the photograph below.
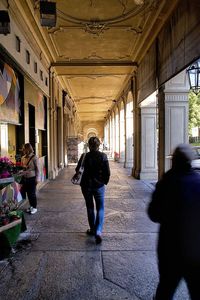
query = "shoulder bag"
x=76 y=179
x=23 y=179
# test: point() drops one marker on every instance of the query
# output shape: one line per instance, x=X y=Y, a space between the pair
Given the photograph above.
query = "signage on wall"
x=9 y=94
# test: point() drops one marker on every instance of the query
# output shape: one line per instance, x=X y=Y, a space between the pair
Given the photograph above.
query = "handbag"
x=23 y=179
x=76 y=179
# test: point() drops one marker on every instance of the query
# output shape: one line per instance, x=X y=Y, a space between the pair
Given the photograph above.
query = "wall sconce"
x=194 y=76
x=48 y=14
x=4 y=22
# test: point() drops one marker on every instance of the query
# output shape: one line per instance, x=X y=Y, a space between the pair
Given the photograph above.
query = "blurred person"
x=95 y=176
x=29 y=162
x=175 y=204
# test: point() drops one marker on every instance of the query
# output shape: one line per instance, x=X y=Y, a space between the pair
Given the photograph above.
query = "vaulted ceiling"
x=96 y=46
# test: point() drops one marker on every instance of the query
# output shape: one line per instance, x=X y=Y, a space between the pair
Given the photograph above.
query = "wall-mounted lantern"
x=194 y=76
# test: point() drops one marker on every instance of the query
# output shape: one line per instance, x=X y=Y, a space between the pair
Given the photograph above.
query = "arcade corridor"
x=55 y=259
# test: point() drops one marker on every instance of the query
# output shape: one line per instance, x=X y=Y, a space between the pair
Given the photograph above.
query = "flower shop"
x=11 y=139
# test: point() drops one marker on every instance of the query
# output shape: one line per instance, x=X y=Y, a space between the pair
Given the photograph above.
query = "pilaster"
x=176 y=114
x=149 y=169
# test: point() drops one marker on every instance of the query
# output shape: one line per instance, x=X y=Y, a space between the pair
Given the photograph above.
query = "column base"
x=128 y=164
x=149 y=175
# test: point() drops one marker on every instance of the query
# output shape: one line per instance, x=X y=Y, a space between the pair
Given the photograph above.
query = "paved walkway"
x=55 y=259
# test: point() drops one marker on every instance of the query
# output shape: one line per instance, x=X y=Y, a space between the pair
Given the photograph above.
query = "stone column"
x=175 y=115
x=110 y=135
x=106 y=133
x=129 y=134
x=137 y=130
x=117 y=135
x=149 y=168
x=122 y=133
x=113 y=134
x=51 y=143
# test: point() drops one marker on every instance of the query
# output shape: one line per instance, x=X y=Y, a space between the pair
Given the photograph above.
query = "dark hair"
x=182 y=156
x=94 y=143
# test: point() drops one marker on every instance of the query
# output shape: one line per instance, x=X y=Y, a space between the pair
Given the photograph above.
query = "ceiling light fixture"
x=139 y=2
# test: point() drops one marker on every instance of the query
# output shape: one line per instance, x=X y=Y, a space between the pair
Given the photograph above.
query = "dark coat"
x=96 y=169
x=175 y=205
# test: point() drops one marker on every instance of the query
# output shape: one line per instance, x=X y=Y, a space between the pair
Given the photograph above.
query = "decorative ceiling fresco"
x=96 y=46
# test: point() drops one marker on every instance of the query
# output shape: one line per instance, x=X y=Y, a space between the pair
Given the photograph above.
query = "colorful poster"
x=40 y=112
x=42 y=169
x=9 y=94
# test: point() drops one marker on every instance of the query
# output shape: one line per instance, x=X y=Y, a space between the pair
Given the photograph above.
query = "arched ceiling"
x=96 y=46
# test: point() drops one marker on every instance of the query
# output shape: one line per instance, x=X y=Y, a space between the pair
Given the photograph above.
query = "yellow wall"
x=11 y=142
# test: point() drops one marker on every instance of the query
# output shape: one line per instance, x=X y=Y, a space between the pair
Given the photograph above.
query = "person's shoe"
x=90 y=232
x=29 y=209
x=33 y=211
x=98 y=239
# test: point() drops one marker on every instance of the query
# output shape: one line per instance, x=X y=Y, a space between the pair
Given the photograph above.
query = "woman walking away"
x=30 y=177
x=96 y=175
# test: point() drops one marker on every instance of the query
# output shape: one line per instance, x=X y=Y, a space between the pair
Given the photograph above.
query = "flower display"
x=8 y=168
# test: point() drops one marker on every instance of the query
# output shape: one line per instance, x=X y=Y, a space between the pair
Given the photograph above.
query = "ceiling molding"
x=94 y=63
x=95 y=28
x=137 y=9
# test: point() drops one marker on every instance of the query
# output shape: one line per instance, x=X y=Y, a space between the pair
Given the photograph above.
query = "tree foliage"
x=194 y=111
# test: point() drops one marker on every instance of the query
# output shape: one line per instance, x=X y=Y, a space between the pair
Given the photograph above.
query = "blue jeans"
x=95 y=221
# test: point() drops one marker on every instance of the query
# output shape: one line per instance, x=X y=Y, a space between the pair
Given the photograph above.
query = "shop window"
x=39 y=141
x=18 y=44
x=12 y=141
x=27 y=57
x=3 y=139
x=35 y=67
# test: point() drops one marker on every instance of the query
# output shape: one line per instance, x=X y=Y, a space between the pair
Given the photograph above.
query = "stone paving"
x=55 y=259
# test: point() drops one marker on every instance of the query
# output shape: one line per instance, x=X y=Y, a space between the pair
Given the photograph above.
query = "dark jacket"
x=96 y=169
x=175 y=205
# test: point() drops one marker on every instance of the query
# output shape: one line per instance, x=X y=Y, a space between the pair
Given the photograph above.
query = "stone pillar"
x=137 y=130
x=65 y=121
x=149 y=165
x=175 y=116
x=51 y=150
x=122 y=133
x=113 y=135
x=110 y=135
x=129 y=135
x=117 y=135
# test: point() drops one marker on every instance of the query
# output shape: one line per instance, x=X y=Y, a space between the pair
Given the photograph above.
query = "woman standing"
x=30 y=177
x=96 y=175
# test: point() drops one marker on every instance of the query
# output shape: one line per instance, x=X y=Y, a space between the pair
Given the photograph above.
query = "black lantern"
x=194 y=76
x=4 y=22
x=48 y=14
